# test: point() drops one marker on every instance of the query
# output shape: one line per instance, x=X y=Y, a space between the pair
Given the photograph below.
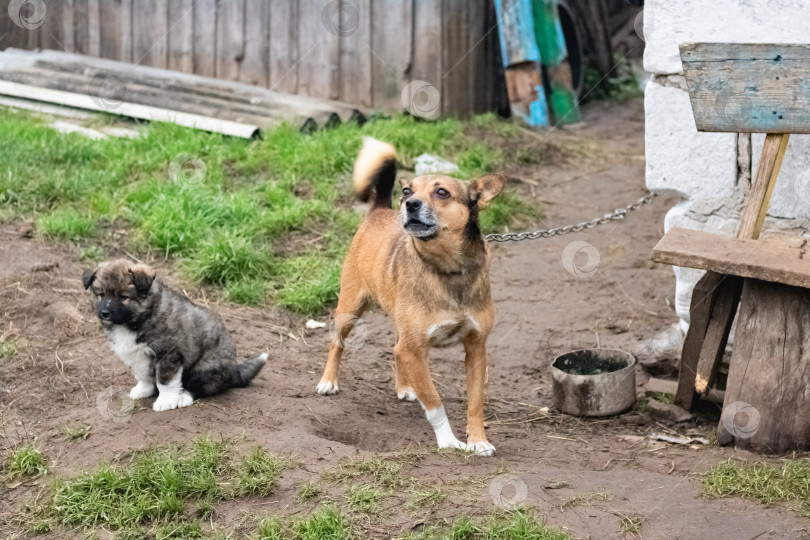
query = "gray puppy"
x=164 y=337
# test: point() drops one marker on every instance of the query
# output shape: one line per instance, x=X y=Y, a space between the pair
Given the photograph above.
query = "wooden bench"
x=749 y=88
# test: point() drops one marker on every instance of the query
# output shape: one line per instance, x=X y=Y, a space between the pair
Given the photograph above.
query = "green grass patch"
x=364 y=498
x=9 y=348
x=308 y=491
x=258 y=472
x=267 y=220
x=25 y=461
x=328 y=523
x=515 y=525
x=154 y=486
x=767 y=483
x=664 y=397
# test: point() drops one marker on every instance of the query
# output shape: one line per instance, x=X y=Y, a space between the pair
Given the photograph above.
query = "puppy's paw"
x=406 y=393
x=451 y=442
x=480 y=448
x=169 y=401
x=142 y=390
x=326 y=388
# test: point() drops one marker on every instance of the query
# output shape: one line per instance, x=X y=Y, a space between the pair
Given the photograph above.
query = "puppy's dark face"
x=434 y=206
x=121 y=291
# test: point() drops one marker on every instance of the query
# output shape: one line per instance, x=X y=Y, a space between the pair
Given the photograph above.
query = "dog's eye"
x=406 y=192
x=442 y=193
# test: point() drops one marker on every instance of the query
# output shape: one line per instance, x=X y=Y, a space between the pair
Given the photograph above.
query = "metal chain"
x=616 y=215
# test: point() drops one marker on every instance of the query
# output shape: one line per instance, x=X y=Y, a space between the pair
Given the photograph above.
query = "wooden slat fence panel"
x=363 y=52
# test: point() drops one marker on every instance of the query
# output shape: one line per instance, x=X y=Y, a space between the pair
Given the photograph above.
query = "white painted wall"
x=711 y=171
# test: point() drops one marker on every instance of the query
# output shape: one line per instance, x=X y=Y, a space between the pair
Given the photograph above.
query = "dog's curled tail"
x=248 y=369
x=374 y=173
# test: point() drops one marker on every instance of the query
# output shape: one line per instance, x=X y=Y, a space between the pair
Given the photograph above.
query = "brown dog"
x=428 y=267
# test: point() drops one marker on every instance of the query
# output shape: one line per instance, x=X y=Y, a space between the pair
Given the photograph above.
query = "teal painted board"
x=748 y=88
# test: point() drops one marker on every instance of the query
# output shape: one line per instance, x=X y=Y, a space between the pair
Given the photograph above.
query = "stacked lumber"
x=157 y=94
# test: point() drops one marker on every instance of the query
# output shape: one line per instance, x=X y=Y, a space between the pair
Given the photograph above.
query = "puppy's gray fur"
x=164 y=337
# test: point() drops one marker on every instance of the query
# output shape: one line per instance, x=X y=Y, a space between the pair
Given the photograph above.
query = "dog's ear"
x=88 y=277
x=142 y=278
x=485 y=189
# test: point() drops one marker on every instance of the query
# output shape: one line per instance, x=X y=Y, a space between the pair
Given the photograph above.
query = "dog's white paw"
x=481 y=448
x=451 y=442
x=169 y=401
x=142 y=390
x=326 y=388
x=407 y=394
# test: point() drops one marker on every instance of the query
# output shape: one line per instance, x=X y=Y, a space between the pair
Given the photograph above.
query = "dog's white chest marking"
x=138 y=356
x=451 y=331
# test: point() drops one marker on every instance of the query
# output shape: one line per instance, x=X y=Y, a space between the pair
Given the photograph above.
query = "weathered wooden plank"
x=391 y=44
x=427 y=62
x=284 y=51
x=127 y=39
x=781 y=259
x=93 y=28
x=205 y=43
x=68 y=29
x=766 y=402
x=81 y=27
x=355 y=56
x=150 y=31
x=727 y=299
x=255 y=64
x=457 y=57
x=319 y=28
x=739 y=87
x=230 y=38
x=181 y=36
x=133 y=110
x=52 y=30
x=759 y=196
x=700 y=309
x=109 y=23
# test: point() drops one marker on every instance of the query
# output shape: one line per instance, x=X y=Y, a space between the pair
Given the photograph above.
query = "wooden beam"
x=750 y=88
x=700 y=311
x=132 y=110
x=779 y=259
x=759 y=198
x=727 y=298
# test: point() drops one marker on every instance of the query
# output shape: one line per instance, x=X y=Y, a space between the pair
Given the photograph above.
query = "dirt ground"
x=543 y=310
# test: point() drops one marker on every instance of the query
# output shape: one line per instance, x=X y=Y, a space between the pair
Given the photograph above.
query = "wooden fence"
x=363 y=52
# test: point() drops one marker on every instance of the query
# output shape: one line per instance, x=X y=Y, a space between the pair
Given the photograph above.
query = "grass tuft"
x=308 y=491
x=74 y=432
x=258 y=472
x=25 y=461
x=383 y=472
x=514 y=525
x=766 y=483
x=364 y=499
x=328 y=523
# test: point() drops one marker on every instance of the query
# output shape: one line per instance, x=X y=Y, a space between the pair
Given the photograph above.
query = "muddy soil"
x=65 y=370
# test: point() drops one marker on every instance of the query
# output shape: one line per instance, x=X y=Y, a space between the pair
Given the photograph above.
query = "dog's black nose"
x=413 y=205
x=105 y=313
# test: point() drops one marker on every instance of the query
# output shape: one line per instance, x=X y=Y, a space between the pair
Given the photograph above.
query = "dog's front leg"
x=475 y=361
x=144 y=372
x=169 y=375
x=413 y=360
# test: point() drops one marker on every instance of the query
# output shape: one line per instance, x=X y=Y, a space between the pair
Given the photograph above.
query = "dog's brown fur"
x=435 y=288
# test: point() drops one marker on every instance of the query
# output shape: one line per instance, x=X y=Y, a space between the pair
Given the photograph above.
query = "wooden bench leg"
x=727 y=298
x=700 y=310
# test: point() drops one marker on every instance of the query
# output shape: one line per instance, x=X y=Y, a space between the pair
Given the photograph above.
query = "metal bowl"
x=594 y=382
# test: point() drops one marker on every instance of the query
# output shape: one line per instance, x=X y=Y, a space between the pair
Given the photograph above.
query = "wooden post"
x=766 y=402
